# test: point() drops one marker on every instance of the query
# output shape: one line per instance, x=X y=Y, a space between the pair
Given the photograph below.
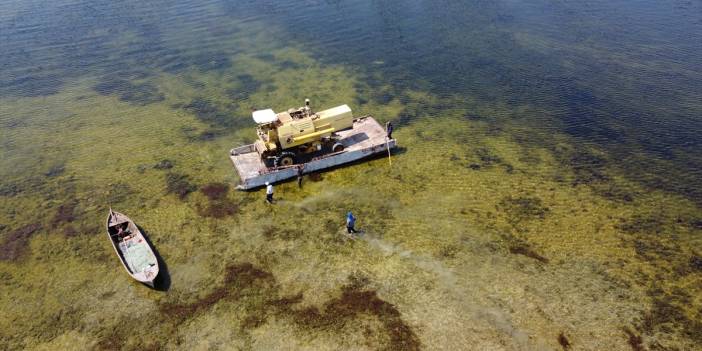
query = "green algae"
x=470 y=239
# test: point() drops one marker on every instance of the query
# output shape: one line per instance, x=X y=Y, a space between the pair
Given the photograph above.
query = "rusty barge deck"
x=366 y=138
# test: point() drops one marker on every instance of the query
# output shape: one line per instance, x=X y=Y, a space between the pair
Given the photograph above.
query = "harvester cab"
x=287 y=138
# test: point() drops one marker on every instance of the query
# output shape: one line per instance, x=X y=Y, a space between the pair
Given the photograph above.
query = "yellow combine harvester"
x=289 y=137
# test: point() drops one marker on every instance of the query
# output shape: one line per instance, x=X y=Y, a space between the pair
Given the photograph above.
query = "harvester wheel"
x=338 y=147
x=285 y=159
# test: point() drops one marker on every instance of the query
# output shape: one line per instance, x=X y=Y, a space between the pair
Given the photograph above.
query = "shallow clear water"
x=546 y=194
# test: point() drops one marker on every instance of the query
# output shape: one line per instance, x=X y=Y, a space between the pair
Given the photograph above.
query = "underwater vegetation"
x=246 y=85
x=258 y=289
x=138 y=94
x=563 y=341
x=164 y=164
x=210 y=113
x=179 y=184
x=524 y=208
x=219 y=205
x=15 y=242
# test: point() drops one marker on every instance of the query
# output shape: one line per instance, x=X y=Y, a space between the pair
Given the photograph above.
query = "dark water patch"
x=211 y=61
x=16 y=242
x=634 y=340
x=65 y=213
x=246 y=85
x=474 y=117
x=174 y=66
x=663 y=151
x=484 y=158
x=171 y=61
x=11 y=189
x=524 y=208
x=271 y=232
x=240 y=280
x=356 y=300
x=70 y=231
x=113 y=341
x=164 y=164
x=383 y=97
x=522 y=248
x=687 y=264
x=414 y=109
x=218 y=208
x=118 y=193
x=615 y=192
x=587 y=167
x=55 y=171
x=563 y=341
x=269 y=58
x=111 y=85
x=315 y=177
x=287 y=64
x=193 y=134
x=667 y=315
x=32 y=84
x=361 y=99
x=215 y=191
x=583 y=119
x=138 y=94
x=696 y=263
x=449 y=251
x=208 y=135
x=142 y=94
x=642 y=224
x=655 y=252
x=179 y=184
x=117 y=340
x=210 y=113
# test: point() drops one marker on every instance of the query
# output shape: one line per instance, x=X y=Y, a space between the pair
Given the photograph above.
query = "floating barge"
x=366 y=138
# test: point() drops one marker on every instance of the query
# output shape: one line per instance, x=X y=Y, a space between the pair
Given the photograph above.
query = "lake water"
x=546 y=193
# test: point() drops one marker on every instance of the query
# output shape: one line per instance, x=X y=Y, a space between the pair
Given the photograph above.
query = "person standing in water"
x=389 y=128
x=269 y=192
x=350 y=223
x=300 y=171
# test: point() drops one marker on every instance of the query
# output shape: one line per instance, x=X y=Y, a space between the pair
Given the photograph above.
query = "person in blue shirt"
x=350 y=223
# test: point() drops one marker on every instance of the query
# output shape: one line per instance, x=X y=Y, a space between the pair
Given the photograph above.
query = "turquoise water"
x=546 y=193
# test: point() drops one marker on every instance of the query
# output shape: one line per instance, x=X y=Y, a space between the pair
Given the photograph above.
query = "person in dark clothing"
x=350 y=223
x=300 y=171
x=389 y=128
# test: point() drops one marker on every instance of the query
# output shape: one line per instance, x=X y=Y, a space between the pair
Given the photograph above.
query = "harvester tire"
x=338 y=147
x=285 y=158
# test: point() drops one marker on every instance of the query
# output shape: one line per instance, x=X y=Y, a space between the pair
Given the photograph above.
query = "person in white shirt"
x=269 y=192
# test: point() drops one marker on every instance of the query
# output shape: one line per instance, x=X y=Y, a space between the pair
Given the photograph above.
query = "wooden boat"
x=131 y=247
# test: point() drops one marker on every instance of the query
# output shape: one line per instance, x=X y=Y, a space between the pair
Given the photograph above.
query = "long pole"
x=387 y=143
